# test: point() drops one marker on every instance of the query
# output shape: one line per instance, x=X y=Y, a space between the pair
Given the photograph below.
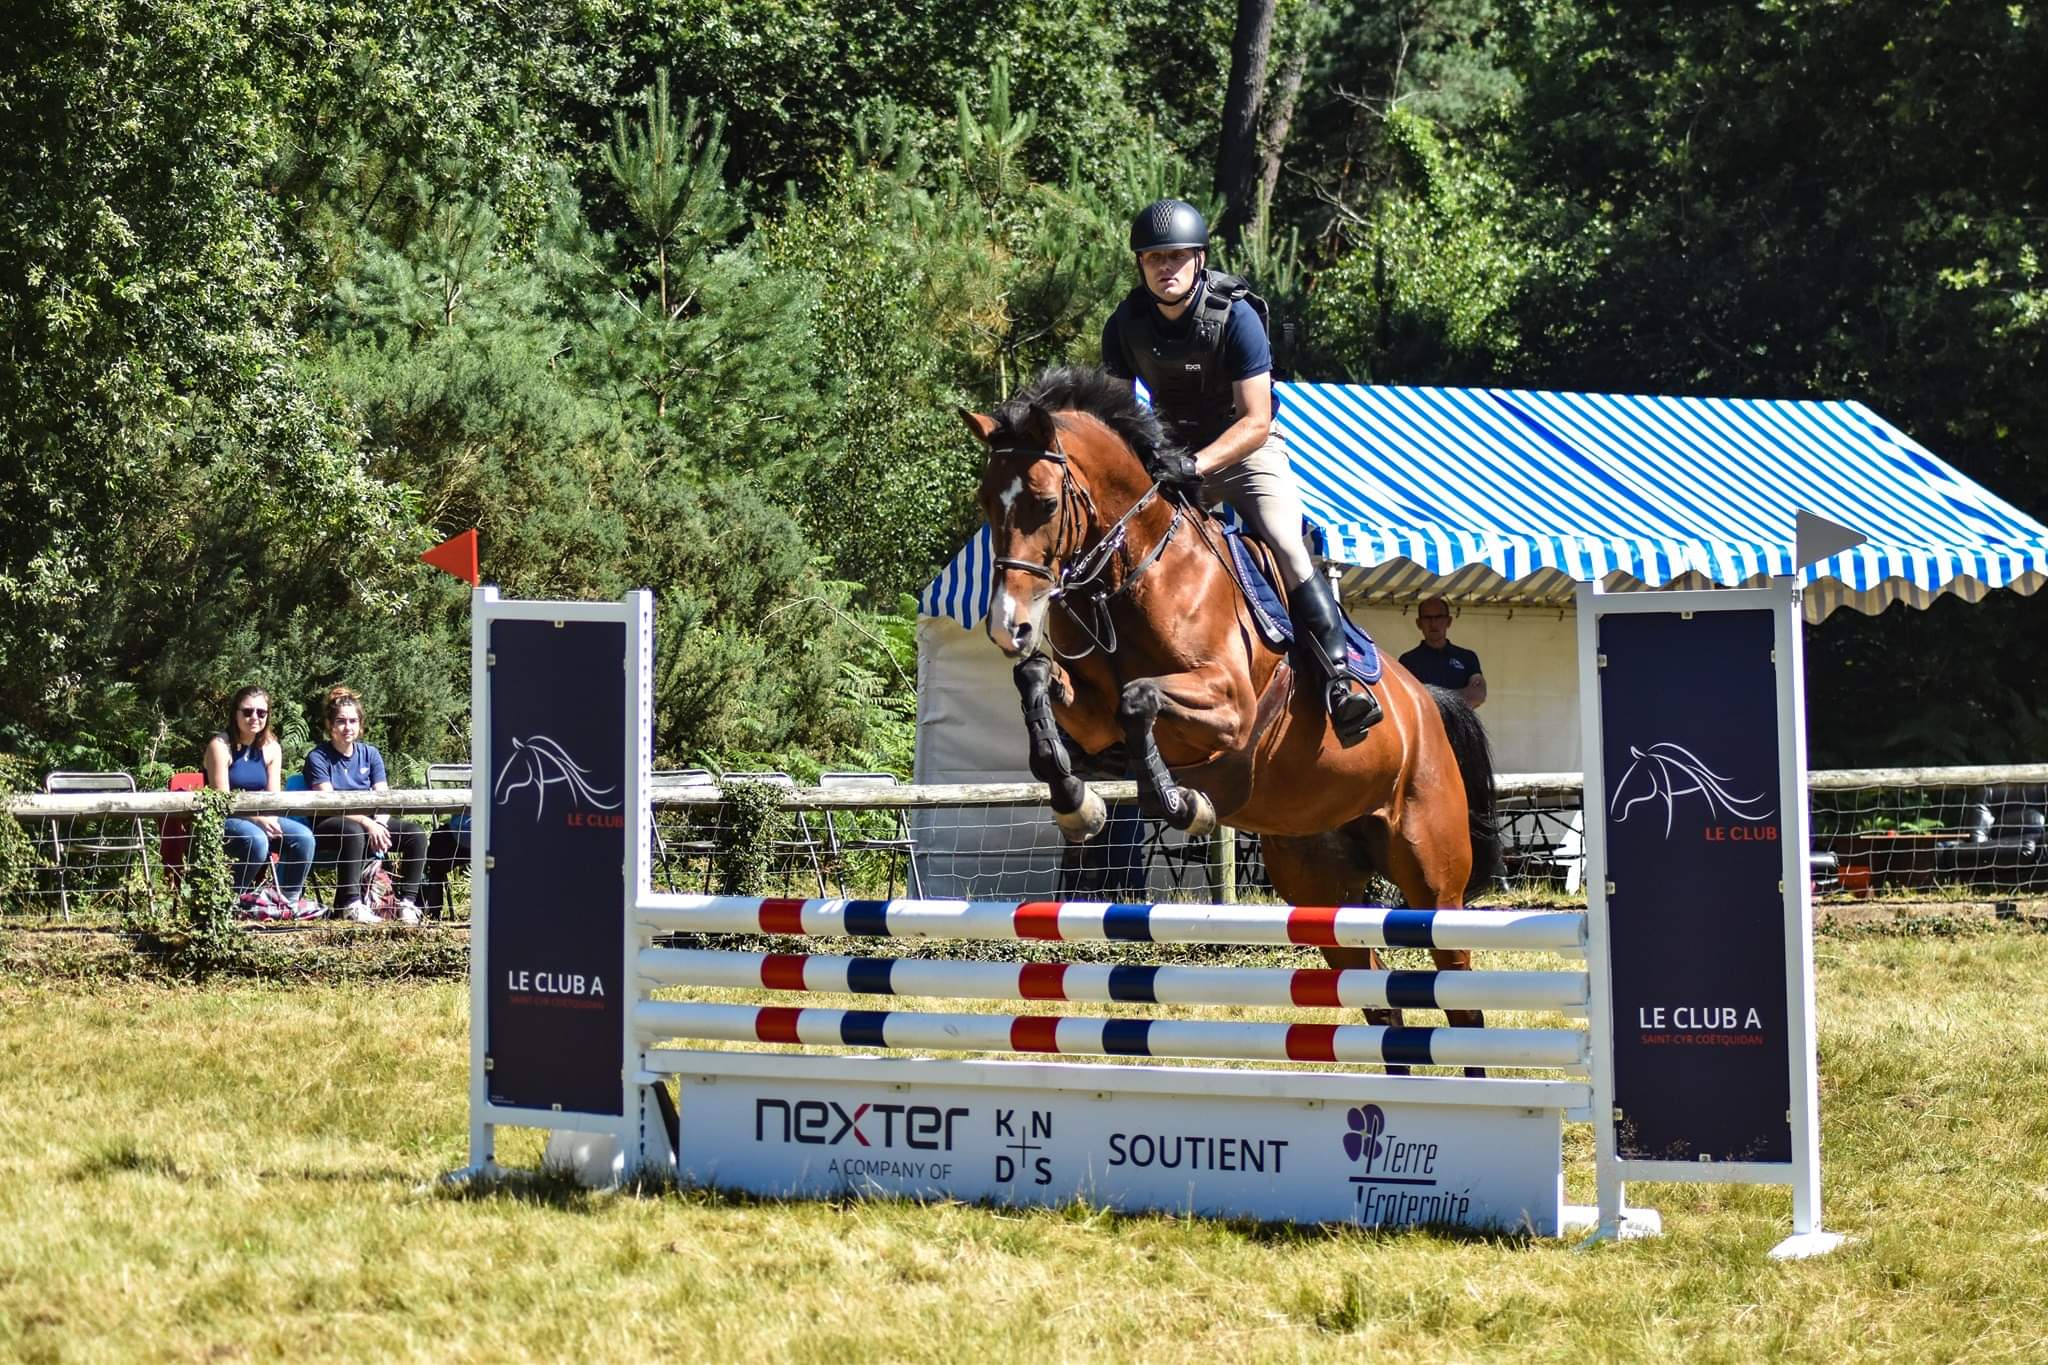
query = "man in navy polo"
x=1440 y=663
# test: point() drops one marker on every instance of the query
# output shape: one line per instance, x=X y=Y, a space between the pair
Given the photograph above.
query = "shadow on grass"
x=548 y=1187
x=1080 y=1212
x=124 y=1157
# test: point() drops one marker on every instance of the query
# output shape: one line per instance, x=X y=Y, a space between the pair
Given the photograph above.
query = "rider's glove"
x=1176 y=472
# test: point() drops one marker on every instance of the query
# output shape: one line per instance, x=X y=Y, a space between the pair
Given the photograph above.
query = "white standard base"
x=1578 y=1218
x=1633 y=1224
x=1801 y=1245
x=593 y=1158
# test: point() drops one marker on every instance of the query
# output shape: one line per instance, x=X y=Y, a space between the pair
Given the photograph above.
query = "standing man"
x=1206 y=361
x=1440 y=663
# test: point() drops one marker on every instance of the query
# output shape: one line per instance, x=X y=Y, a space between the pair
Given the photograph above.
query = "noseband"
x=1081 y=581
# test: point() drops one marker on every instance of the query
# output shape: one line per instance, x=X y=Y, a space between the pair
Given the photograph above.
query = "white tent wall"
x=1531 y=663
x=970 y=729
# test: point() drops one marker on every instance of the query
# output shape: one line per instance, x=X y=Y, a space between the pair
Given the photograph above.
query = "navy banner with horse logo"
x=557 y=833
x=1695 y=822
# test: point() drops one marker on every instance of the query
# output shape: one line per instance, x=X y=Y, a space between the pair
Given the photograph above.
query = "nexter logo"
x=827 y=1123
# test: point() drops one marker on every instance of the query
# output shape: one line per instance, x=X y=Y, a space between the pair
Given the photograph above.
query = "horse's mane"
x=1097 y=392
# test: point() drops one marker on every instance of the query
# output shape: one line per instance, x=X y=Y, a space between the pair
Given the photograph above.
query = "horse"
x=1131 y=637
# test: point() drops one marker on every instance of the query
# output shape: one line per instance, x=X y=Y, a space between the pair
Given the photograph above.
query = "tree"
x=1777 y=202
x=1239 y=167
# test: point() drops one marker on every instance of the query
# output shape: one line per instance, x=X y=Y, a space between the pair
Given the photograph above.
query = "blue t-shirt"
x=361 y=771
x=1452 y=666
x=247 y=772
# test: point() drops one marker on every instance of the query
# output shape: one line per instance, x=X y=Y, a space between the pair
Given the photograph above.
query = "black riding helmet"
x=1169 y=223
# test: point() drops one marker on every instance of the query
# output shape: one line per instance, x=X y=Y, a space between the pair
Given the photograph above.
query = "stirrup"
x=1352 y=713
x=1348 y=720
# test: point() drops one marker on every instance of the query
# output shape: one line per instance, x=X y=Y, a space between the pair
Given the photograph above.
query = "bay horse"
x=1129 y=633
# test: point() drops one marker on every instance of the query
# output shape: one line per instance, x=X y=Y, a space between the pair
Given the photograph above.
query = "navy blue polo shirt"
x=1452 y=666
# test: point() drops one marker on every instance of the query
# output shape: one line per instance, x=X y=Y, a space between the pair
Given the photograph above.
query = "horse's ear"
x=1039 y=427
x=980 y=423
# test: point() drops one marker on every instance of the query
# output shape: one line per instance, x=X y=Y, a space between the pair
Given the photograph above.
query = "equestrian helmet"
x=1167 y=224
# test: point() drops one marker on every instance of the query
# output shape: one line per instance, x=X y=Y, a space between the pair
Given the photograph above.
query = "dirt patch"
x=1914 y=916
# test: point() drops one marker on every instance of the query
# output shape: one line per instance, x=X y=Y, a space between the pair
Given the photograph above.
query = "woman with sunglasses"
x=246 y=757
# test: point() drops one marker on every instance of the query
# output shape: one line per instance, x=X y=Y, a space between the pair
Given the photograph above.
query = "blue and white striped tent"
x=1507 y=496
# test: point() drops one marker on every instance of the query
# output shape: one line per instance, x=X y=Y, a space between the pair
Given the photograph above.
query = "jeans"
x=250 y=847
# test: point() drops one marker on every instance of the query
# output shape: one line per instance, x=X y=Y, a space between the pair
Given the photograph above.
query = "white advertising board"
x=1047 y=1135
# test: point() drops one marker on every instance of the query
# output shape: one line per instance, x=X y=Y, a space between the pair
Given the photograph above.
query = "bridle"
x=1082 y=581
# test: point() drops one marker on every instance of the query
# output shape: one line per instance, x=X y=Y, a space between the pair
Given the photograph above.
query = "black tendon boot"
x=1319 y=626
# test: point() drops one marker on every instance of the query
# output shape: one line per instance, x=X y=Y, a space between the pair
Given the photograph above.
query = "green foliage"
x=1426 y=292
x=206 y=889
x=18 y=859
x=153 y=425
x=289 y=294
x=752 y=819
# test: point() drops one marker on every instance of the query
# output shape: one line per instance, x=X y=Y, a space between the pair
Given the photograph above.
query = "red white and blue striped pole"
x=1080 y=921
x=1562 y=991
x=1079 y=1035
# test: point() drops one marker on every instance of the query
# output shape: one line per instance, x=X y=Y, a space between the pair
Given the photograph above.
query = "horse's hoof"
x=1202 y=820
x=1085 y=822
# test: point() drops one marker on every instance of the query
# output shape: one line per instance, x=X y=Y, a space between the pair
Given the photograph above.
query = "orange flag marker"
x=456 y=555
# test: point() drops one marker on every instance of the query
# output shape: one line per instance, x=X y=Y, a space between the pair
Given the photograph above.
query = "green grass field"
x=246 y=1170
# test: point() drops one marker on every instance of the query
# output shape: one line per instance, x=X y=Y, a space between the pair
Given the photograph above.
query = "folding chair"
x=805 y=847
x=174 y=840
x=684 y=843
x=894 y=844
x=448 y=842
x=102 y=838
x=441 y=775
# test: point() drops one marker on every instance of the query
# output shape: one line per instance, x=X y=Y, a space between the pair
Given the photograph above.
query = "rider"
x=1215 y=396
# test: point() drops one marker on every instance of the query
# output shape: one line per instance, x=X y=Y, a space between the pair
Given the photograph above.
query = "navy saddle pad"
x=1270 y=609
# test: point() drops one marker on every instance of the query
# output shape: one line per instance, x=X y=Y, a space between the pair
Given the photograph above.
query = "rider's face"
x=1170 y=273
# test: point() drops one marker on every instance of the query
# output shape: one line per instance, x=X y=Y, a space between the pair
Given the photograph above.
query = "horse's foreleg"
x=1158 y=794
x=1079 y=812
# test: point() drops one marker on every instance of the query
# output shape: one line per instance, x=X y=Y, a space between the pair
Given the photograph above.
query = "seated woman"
x=245 y=757
x=345 y=764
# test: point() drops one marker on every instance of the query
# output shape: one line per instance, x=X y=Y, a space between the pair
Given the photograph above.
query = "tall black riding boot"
x=1319 y=629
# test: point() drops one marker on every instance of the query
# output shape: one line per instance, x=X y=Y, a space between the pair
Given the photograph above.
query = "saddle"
x=1250 y=570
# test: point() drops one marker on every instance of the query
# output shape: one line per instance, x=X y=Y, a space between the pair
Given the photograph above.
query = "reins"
x=1081 y=581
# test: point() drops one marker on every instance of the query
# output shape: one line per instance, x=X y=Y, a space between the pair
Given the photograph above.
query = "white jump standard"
x=567 y=1034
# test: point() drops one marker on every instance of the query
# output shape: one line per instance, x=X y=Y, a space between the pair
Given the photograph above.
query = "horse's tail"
x=1475 y=765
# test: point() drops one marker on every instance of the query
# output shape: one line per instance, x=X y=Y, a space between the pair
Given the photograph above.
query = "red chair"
x=176 y=838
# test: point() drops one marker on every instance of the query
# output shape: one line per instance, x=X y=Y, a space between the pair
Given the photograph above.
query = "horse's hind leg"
x=1431 y=868
x=1332 y=869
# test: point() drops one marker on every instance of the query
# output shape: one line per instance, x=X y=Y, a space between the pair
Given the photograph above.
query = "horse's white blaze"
x=1008 y=496
x=1006 y=614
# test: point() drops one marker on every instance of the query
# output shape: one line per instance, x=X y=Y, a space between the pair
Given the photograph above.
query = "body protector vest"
x=1182 y=362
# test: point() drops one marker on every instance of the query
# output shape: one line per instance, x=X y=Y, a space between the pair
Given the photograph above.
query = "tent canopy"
x=1512 y=496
